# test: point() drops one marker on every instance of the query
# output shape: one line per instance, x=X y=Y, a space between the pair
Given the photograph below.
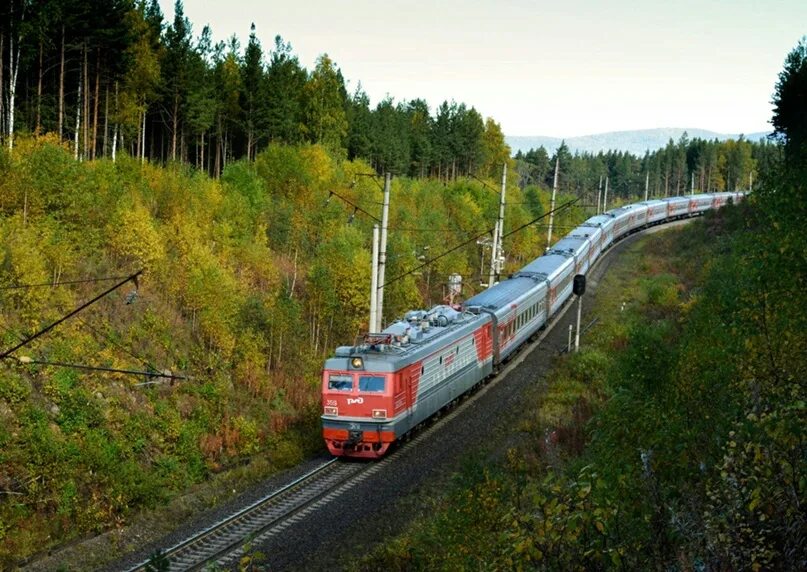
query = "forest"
x=231 y=178
x=121 y=79
x=115 y=76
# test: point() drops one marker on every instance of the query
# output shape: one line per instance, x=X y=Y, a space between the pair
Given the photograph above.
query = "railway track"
x=222 y=543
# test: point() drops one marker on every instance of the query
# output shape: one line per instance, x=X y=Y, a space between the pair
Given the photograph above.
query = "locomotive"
x=376 y=392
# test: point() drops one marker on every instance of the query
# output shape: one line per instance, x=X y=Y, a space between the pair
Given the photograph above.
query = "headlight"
x=379 y=413
x=331 y=411
x=357 y=363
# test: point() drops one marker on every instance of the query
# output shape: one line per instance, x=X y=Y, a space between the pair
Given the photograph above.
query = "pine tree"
x=325 y=120
x=790 y=104
x=283 y=94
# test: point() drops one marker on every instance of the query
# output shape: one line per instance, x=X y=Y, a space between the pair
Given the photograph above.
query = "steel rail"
x=230 y=533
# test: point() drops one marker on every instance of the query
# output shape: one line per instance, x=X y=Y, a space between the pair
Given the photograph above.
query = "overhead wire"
x=152 y=372
x=61 y=283
x=117 y=345
x=476 y=237
x=49 y=327
x=356 y=207
x=27 y=361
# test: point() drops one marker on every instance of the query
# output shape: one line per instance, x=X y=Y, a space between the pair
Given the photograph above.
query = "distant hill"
x=637 y=142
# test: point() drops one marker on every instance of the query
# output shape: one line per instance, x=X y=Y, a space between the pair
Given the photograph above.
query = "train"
x=378 y=391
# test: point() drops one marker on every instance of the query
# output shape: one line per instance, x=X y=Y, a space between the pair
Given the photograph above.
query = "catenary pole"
x=500 y=252
x=382 y=257
x=552 y=206
x=374 y=281
x=493 y=248
x=501 y=217
x=605 y=200
x=646 y=185
x=498 y=233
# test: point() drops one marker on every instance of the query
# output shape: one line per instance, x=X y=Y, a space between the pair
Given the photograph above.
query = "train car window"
x=372 y=383
x=340 y=382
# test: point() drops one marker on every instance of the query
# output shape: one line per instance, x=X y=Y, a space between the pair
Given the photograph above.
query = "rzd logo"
x=358 y=401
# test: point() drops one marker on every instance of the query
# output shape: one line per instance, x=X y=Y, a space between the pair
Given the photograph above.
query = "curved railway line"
x=226 y=541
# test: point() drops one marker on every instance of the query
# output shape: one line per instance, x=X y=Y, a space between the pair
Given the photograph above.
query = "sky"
x=564 y=68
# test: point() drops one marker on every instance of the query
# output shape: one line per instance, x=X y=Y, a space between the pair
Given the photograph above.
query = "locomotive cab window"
x=340 y=382
x=372 y=383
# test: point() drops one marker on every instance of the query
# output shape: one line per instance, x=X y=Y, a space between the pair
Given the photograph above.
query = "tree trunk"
x=106 y=120
x=143 y=135
x=39 y=93
x=294 y=276
x=78 y=119
x=139 y=135
x=61 y=89
x=174 y=122
x=2 y=87
x=86 y=124
x=115 y=128
x=13 y=69
x=249 y=143
x=224 y=148
x=95 y=104
x=217 y=166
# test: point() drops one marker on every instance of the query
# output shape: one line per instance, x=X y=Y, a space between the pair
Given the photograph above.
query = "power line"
x=62 y=283
x=473 y=238
x=48 y=328
x=117 y=345
x=28 y=361
x=484 y=184
x=523 y=226
x=373 y=176
x=356 y=207
x=447 y=230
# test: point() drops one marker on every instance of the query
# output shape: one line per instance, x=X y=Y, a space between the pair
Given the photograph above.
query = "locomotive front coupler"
x=354 y=437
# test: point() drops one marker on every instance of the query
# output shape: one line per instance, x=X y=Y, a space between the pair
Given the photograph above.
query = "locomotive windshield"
x=371 y=383
x=340 y=382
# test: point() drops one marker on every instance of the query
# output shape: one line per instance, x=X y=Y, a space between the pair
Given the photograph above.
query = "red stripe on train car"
x=483 y=342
